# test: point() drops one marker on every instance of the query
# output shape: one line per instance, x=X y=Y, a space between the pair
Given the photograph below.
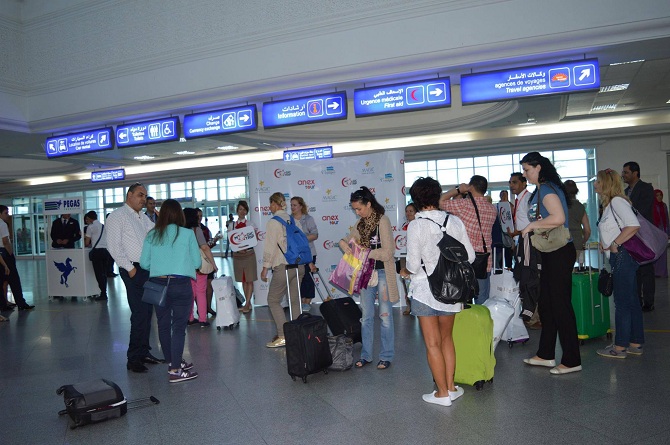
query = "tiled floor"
x=245 y=396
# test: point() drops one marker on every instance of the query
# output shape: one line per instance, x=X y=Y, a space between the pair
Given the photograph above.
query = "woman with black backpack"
x=435 y=318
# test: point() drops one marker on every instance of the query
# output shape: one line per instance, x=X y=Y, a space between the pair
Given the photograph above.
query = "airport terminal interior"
x=244 y=395
x=286 y=78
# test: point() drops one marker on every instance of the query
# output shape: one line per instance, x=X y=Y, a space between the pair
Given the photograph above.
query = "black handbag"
x=91 y=253
x=155 y=293
x=605 y=282
x=481 y=263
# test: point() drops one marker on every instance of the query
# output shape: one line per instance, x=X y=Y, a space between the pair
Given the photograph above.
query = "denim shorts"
x=420 y=309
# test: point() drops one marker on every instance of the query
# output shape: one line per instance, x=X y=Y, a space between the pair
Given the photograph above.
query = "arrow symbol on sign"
x=244 y=117
x=436 y=92
x=334 y=105
x=585 y=73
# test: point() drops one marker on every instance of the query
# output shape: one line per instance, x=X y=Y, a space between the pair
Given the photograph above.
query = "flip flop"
x=383 y=364
x=362 y=362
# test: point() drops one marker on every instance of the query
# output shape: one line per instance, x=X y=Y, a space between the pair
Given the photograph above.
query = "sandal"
x=362 y=362
x=383 y=364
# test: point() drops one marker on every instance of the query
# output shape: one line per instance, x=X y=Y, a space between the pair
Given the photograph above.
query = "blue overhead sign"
x=147 y=132
x=77 y=143
x=408 y=96
x=108 y=175
x=231 y=120
x=557 y=78
x=309 y=154
x=305 y=110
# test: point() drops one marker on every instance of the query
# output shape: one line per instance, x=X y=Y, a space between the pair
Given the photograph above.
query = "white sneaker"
x=430 y=398
x=306 y=307
x=453 y=395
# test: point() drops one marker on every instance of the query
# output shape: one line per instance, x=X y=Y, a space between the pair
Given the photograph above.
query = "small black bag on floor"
x=342 y=350
x=97 y=400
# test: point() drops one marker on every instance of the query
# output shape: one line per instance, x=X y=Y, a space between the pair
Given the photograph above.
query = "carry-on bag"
x=227 y=314
x=342 y=314
x=97 y=400
x=307 y=348
x=473 y=340
x=592 y=309
x=342 y=351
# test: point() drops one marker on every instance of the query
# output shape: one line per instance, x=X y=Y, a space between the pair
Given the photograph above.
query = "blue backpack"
x=297 y=246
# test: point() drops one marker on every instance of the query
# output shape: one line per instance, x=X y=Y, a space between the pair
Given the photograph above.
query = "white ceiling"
x=423 y=134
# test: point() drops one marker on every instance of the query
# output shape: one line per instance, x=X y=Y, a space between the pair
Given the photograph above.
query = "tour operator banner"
x=326 y=186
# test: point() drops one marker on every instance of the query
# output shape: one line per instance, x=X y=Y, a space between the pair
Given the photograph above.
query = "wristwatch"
x=617 y=244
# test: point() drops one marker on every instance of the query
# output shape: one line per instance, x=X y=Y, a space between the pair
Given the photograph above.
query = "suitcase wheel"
x=609 y=336
x=218 y=328
x=231 y=326
x=304 y=379
x=293 y=377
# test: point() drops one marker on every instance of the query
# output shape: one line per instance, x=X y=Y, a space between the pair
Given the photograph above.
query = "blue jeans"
x=484 y=288
x=173 y=317
x=627 y=310
x=368 y=297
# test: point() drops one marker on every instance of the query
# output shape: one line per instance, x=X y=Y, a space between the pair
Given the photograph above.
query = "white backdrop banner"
x=326 y=186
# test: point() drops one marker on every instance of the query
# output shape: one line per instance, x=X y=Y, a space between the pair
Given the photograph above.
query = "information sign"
x=309 y=154
x=305 y=110
x=108 y=175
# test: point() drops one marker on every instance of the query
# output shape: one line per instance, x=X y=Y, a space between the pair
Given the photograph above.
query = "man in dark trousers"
x=7 y=252
x=65 y=232
x=641 y=195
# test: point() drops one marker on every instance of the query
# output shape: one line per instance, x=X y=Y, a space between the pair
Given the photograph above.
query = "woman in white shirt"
x=435 y=318
x=617 y=225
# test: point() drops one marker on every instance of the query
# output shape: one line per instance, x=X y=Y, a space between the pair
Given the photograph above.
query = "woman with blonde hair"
x=617 y=225
x=273 y=258
x=299 y=212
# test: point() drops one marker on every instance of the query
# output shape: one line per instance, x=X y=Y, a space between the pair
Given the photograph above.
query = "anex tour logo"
x=331 y=219
x=309 y=184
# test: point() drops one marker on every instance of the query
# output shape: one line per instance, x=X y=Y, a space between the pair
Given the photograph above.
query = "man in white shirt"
x=96 y=239
x=126 y=229
x=7 y=252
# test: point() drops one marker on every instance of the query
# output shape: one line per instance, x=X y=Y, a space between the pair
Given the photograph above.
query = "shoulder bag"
x=155 y=293
x=206 y=267
x=648 y=243
x=91 y=255
x=548 y=240
x=481 y=263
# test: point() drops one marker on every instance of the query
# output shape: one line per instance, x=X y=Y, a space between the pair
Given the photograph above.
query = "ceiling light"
x=610 y=88
x=626 y=63
x=184 y=152
x=144 y=158
x=227 y=148
x=607 y=107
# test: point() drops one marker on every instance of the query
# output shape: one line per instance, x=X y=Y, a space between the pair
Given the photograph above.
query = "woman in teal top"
x=171 y=255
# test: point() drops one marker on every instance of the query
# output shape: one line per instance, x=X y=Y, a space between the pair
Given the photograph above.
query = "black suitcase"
x=307 y=348
x=95 y=401
x=342 y=314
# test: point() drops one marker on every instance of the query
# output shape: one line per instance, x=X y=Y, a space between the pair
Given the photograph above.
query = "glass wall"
x=215 y=197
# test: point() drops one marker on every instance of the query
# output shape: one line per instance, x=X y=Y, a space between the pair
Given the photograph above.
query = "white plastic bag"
x=501 y=313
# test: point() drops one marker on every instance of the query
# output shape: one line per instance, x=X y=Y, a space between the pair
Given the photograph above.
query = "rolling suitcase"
x=97 y=400
x=592 y=309
x=342 y=314
x=227 y=315
x=307 y=347
x=473 y=340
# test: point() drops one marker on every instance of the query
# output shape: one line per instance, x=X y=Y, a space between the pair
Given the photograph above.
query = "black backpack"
x=453 y=280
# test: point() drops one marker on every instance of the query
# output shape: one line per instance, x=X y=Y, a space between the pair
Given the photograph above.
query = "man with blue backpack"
x=286 y=248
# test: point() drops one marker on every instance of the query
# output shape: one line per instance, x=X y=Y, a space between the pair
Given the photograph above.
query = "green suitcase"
x=473 y=340
x=592 y=309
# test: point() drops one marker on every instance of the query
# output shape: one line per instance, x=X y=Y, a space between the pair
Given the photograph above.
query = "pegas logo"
x=330 y=170
x=388 y=177
x=367 y=170
x=330 y=244
x=331 y=219
x=239 y=238
x=260 y=235
x=309 y=184
x=403 y=190
x=265 y=210
x=348 y=182
x=402 y=161
x=400 y=241
x=280 y=173
x=261 y=188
